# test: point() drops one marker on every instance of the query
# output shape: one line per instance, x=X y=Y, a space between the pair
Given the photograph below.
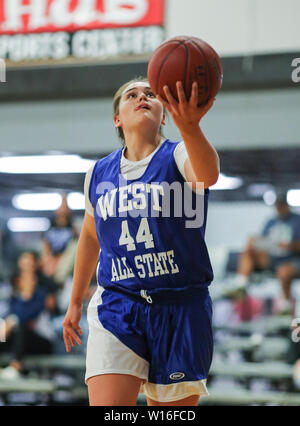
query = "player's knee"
x=285 y=272
x=110 y=398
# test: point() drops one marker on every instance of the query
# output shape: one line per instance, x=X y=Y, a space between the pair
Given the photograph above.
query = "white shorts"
x=106 y=354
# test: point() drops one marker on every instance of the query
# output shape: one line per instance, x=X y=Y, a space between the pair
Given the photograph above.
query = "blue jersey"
x=141 y=224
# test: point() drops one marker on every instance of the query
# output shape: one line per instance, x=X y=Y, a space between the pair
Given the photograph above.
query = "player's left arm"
x=202 y=164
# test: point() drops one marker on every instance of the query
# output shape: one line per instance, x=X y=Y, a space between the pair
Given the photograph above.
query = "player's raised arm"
x=85 y=263
x=202 y=164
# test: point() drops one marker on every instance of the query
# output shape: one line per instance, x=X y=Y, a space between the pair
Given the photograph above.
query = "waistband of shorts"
x=163 y=295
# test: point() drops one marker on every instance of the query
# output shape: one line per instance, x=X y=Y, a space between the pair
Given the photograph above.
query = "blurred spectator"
x=8 y=250
x=277 y=249
x=248 y=308
x=29 y=262
x=59 y=245
x=28 y=325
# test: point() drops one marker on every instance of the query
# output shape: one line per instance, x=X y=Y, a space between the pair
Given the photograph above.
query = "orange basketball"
x=186 y=59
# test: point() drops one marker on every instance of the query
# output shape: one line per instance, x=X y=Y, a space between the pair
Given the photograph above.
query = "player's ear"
x=117 y=121
x=163 y=121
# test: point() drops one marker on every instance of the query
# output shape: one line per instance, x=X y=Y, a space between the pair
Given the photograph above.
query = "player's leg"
x=286 y=272
x=192 y=400
x=181 y=345
x=251 y=258
x=114 y=372
x=113 y=390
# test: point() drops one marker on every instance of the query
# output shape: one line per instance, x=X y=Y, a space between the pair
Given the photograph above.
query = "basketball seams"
x=163 y=63
x=186 y=67
x=180 y=43
x=208 y=79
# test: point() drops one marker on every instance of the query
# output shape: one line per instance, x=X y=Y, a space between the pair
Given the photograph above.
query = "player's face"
x=139 y=108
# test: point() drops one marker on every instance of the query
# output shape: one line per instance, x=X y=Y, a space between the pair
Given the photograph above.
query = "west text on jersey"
x=106 y=205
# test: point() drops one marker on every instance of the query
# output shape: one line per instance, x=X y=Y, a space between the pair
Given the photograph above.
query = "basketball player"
x=150 y=318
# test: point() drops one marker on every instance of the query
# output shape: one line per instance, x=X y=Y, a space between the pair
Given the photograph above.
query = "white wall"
x=237 y=120
x=69 y=126
x=237 y=27
x=230 y=224
x=258 y=119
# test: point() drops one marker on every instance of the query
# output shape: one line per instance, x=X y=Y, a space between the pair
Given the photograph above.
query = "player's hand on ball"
x=185 y=113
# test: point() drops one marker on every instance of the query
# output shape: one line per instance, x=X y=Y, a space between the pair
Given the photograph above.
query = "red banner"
x=37 y=16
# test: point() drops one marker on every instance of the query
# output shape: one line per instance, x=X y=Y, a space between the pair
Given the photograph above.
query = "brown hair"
x=116 y=103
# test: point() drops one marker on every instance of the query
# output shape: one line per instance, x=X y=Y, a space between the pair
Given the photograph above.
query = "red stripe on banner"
x=37 y=16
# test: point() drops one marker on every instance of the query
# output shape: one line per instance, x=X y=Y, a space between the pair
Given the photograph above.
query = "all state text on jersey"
x=147 y=265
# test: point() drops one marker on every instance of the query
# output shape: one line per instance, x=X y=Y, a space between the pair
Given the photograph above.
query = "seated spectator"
x=59 y=245
x=27 y=326
x=29 y=262
x=277 y=249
